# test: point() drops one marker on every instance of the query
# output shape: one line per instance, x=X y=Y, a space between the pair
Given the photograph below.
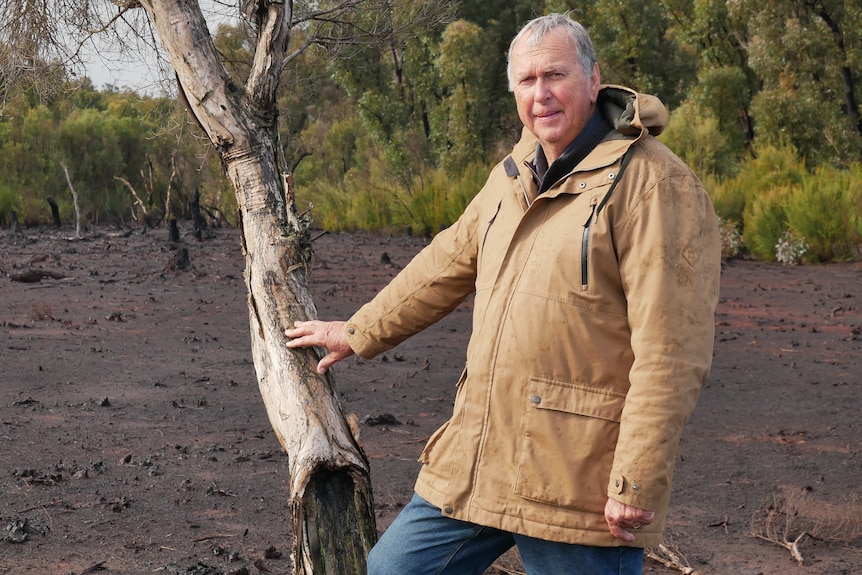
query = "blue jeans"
x=422 y=541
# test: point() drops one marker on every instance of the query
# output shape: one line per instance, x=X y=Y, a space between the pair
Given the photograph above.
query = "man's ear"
x=595 y=82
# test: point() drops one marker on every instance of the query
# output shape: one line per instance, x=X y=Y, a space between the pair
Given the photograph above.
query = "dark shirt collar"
x=593 y=133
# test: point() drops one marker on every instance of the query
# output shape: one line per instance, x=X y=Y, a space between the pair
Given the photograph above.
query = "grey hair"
x=535 y=31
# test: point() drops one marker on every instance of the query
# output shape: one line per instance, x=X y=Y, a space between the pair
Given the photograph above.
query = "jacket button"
x=448 y=510
x=582 y=185
x=611 y=176
x=351 y=331
x=536 y=399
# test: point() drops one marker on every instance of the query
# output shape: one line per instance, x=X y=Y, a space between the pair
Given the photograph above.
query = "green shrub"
x=8 y=202
x=694 y=135
x=375 y=200
x=772 y=167
x=728 y=197
x=766 y=222
x=821 y=211
x=754 y=197
x=440 y=198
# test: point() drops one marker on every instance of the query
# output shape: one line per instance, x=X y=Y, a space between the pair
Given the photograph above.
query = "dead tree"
x=75 y=199
x=173 y=233
x=330 y=491
x=196 y=215
x=145 y=215
x=55 y=212
x=14 y=225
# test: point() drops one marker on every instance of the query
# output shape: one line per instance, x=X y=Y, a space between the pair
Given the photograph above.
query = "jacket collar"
x=594 y=132
x=632 y=115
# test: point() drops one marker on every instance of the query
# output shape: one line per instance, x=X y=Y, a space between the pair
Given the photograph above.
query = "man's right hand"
x=328 y=334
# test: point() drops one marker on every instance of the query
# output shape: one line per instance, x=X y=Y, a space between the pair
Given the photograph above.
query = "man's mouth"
x=545 y=115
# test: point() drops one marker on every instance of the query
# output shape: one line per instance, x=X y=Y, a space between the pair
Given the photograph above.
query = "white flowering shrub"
x=731 y=239
x=790 y=248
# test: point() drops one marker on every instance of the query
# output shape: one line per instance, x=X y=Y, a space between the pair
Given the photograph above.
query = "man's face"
x=554 y=97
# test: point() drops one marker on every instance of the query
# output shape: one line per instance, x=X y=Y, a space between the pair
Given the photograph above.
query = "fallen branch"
x=35 y=276
x=137 y=198
x=794 y=515
x=792 y=546
x=671 y=558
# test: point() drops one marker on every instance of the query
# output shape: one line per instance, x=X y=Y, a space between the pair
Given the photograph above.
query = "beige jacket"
x=592 y=334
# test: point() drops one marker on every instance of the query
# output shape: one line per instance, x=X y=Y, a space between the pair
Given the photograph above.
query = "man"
x=594 y=257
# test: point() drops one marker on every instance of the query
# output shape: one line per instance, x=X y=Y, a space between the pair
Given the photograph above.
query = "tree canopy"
x=392 y=108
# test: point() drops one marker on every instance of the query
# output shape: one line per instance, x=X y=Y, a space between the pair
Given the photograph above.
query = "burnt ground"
x=133 y=438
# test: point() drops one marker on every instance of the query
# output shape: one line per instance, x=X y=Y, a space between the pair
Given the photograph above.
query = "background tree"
x=807 y=54
x=636 y=46
x=725 y=82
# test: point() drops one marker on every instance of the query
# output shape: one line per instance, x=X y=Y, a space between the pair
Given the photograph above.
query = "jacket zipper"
x=585 y=244
x=491 y=223
x=594 y=214
x=524 y=190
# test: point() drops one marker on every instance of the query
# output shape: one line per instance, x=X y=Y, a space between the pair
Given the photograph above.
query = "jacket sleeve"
x=433 y=284
x=670 y=262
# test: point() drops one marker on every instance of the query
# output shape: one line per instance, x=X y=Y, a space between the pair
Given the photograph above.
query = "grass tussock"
x=377 y=201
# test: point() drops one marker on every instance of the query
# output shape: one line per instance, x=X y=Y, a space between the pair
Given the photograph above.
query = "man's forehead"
x=555 y=43
x=548 y=54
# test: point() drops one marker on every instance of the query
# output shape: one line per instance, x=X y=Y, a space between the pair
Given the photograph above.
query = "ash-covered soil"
x=133 y=438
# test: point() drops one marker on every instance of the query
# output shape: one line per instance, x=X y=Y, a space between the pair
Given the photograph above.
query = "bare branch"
x=794 y=516
x=670 y=556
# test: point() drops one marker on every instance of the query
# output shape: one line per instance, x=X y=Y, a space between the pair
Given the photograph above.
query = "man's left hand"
x=622 y=518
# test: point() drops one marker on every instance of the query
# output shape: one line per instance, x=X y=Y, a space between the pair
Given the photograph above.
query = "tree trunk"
x=330 y=491
x=196 y=215
x=55 y=212
x=173 y=233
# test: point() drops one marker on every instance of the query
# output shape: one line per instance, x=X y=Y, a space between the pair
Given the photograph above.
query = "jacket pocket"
x=567 y=449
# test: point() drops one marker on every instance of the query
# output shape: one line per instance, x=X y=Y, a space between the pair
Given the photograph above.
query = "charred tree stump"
x=173 y=233
x=196 y=215
x=14 y=226
x=55 y=212
x=180 y=261
x=334 y=516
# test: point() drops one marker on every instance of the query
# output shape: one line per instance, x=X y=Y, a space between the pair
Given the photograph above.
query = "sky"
x=139 y=72
x=137 y=67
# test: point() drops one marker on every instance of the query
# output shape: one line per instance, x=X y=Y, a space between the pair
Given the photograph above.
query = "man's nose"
x=542 y=90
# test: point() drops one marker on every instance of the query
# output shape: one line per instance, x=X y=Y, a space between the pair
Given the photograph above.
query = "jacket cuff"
x=629 y=491
x=359 y=342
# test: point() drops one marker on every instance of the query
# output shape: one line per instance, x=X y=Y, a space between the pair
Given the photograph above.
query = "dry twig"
x=671 y=557
x=794 y=515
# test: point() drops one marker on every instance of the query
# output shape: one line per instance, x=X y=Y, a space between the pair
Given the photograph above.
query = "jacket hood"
x=630 y=112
